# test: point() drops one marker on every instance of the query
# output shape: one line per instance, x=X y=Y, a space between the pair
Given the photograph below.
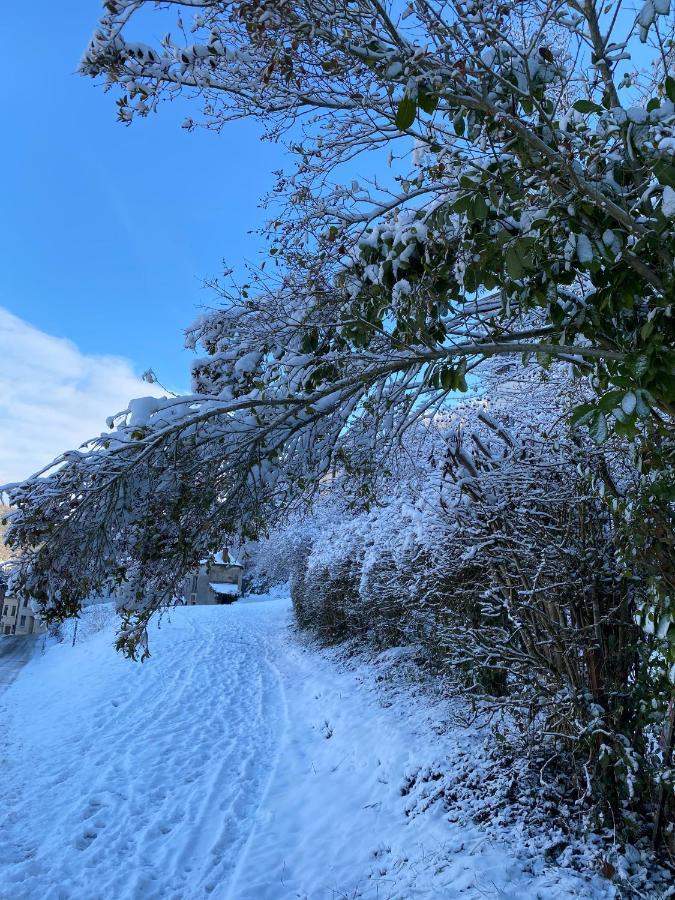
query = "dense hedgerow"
x=497 y=556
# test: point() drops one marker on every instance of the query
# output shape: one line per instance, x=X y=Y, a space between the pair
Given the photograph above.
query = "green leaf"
x=427 y=102
x=610 y=400
x=310 y=341
x=462 y=203
x=586 y=106
x=460 y=375
x=470 y=280
x=665 y=172
x=405 y=114
x=646 y=330
x=480 y=209
x=643 y=403
x=670 y=88
x=447 y=378
x=556 y=314
x=641 y=364
x=582 y=414
x=513 y=263
x=458 y=124
x=598 y=428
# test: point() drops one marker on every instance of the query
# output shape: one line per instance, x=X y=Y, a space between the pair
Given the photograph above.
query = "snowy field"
x=240 y=764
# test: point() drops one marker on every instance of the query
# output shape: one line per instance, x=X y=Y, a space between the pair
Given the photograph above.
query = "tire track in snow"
x=230 y=894
x=156 y=777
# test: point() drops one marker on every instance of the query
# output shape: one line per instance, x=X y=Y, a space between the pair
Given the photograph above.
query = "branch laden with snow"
x=533 y=221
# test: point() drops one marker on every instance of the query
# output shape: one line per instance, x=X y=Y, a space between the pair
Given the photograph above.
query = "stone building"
x=218 y=580
x=16 y=616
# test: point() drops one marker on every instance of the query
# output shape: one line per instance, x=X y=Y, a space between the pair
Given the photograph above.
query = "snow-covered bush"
x=497 y=556
x=270 y=561
x=93 y=618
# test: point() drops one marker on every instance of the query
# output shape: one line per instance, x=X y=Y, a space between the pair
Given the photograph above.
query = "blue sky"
x=108 y=230
x=106 y=233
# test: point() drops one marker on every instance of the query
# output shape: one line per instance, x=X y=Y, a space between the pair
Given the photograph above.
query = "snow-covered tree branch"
x=521 y=204
x=539 y=169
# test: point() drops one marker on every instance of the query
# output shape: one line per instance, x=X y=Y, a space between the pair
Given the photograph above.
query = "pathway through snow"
x=15 y=651
x=233 y=764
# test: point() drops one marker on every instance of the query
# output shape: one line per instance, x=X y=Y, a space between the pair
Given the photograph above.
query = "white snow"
x=584 y=249
x=247 y=363
x=637 y=114
x=239 y=763
x=220 y=560
x=231 y=589
x=141 y=409
x=668 y=203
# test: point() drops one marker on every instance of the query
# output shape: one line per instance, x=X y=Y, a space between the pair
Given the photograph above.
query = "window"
x=6 y=609
x=194 y=583
x=25 y=603
x=22 y=622
x=13 y=610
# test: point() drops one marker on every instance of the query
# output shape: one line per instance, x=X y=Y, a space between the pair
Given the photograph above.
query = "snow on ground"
x=236 y=763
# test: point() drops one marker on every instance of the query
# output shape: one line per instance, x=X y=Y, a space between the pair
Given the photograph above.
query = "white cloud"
x=53 y=397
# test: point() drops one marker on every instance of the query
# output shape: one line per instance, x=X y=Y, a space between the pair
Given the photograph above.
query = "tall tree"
x=535 y=218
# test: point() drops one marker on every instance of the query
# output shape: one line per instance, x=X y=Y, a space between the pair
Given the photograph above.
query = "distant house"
x=218 y=580
x=16 y=616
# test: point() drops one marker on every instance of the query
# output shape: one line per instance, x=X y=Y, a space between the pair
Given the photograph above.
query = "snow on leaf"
x=584 y=249
x=668 y=202
x=645 y=19
x=628 y=403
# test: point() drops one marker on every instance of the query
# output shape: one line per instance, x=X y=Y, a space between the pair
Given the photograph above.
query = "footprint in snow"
x=85 y=840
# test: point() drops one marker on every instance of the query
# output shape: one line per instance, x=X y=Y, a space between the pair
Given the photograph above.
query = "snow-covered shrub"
x=384 y=594
x=93 y=618
x=532 y=607
x=270 y=561
x=495 y=553
x=326 y=583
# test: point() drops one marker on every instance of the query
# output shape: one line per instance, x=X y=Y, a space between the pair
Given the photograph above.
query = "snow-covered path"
x=139 y=781
x=235 y=764
x=15 y=651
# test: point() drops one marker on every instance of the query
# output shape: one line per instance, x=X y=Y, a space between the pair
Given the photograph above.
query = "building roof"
x=217 y=558
x=231 y=590
x=219 y=561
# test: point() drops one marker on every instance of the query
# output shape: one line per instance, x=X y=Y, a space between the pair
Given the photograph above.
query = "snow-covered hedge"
x=93 y=618
x=496 y=556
